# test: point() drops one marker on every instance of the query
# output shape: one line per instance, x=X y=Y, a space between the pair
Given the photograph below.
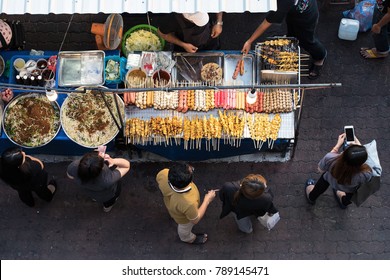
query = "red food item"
x=7 y=95
x=242 y=69
x=237 y=70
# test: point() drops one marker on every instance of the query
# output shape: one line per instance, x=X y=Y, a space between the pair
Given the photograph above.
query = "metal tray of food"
x=206 y=67
x=278 y=58
x=30 y=120
x=92 y=119
x=231 y=61
x=1 y=115
x=84 y=68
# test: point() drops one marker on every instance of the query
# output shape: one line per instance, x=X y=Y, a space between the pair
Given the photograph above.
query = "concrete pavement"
x=138 y=227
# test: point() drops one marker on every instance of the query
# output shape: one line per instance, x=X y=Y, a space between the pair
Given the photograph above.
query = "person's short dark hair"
x=13 y=169
x=90 y=166
x=180 y=175
x=12 y=157
x=355 y=155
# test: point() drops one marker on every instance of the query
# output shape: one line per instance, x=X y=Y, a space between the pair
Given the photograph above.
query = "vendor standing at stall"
x=380 y=22
x=191 y=32
x=302 y=19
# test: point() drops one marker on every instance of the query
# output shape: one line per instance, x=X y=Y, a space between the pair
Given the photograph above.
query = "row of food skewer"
x=265 y=101
x=229 y=126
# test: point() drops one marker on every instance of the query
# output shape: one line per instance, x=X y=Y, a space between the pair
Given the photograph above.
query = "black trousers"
x=321 y=186
x=40 y=188
x=303 y=27
x=111 y=202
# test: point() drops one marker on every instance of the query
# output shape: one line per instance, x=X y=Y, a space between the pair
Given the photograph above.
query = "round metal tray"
x=83 y=128
x=32 y=123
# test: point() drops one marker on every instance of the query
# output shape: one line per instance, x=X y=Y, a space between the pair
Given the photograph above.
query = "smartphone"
x=350 y=133
x=102 y=150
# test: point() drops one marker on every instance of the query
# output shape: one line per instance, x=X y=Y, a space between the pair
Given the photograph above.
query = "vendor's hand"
x=216 y=30
x=246 y=48
x=190 y=48
x=376 y=28
x=210 y=195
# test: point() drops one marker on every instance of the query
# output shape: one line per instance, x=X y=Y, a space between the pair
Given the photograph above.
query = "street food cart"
x=182 y=106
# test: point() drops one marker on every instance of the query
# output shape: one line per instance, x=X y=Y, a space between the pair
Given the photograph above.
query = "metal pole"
x=202 y=87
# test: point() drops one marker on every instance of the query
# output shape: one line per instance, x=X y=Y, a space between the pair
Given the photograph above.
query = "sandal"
x=338 y=199
x=200 y=239
x=308 y=183
x=372 y=53
x=315 y=70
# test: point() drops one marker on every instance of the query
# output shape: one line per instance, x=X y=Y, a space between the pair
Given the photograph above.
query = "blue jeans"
x=381 y=40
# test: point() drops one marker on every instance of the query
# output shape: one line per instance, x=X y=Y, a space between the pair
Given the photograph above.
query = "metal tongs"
x=190 y=69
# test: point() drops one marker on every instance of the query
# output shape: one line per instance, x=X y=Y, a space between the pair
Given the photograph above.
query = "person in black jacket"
x=246 y=198
x=26 y=174
x=302 y=18
x=190 y=32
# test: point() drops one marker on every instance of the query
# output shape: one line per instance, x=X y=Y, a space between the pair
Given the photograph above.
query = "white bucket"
x=348 y=29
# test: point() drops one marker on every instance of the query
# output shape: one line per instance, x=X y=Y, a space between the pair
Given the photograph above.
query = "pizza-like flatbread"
x=211 y=72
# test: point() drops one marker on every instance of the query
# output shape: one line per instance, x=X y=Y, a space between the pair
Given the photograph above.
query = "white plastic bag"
x=269 y=221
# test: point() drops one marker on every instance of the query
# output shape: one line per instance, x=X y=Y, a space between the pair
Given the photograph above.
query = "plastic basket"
x=122 y=66
x=140 y=27
x=13 y=72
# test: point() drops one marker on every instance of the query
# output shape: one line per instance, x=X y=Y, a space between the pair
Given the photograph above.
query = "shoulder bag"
x=365 y=190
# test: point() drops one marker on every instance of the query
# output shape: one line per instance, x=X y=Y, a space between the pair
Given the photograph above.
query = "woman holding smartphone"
x=99 y=176
x=342 y=171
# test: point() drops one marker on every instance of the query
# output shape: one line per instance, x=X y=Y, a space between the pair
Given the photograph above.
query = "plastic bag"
x=269 y=221
x=362 y=12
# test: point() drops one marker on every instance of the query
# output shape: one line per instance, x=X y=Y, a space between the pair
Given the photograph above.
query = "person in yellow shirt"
x=182 y=199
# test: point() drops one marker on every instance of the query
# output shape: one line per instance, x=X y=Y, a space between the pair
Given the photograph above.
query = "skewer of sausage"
x=237 y=70
x=242 y=68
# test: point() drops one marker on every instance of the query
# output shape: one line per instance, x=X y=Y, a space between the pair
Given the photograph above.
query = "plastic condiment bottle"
x=18 y=79
x=34 y=82
x=40 y=81
x=26 y=80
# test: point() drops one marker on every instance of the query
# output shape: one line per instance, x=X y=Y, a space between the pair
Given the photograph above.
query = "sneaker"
x=52 y=186
x=107 y=209
x=308 y=183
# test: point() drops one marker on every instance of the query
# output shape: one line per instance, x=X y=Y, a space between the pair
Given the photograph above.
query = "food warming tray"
x=84 y=68
x=230 y=62
x=188 y=65
x=267 y=60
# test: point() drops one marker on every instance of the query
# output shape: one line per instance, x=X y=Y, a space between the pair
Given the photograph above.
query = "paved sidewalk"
x=138 y=227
